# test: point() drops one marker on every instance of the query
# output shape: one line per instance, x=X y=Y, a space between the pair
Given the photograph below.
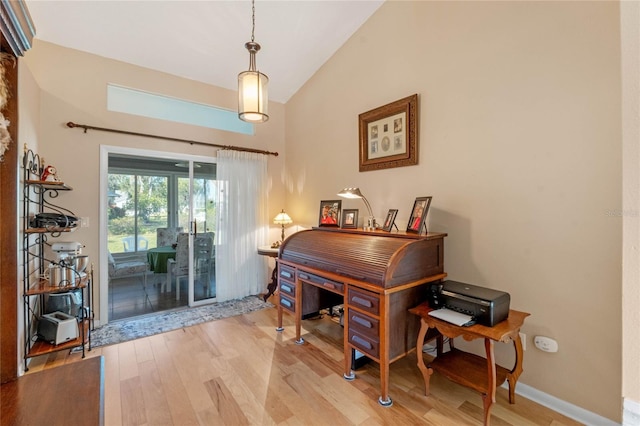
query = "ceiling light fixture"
x=252 y=84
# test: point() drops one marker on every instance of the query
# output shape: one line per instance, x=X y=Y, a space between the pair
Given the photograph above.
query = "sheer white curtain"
x=241 y=224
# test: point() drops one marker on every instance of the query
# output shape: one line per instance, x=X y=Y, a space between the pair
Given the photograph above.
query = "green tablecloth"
x=157 y=258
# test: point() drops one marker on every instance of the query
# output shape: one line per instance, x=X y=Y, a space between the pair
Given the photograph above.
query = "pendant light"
x=252 y=84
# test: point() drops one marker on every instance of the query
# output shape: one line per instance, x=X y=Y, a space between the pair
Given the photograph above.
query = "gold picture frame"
x=389 y=135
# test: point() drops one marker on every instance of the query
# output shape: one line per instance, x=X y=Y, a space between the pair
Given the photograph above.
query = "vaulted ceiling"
x=204 y=40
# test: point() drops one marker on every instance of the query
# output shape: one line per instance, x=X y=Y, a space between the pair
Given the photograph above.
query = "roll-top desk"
x=377 y=276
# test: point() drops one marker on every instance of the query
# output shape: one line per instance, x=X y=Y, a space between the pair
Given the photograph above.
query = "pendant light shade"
x=253 y=95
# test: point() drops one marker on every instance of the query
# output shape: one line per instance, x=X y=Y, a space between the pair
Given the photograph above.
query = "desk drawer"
x=363 y=324
x=369 y=302
x=335 y=286
x=365 y=344
x=287 y=303
x=286 y=272
x=288 y=288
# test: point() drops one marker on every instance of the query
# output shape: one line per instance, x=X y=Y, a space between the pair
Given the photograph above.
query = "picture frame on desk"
x=349 y=218
x=390 y=220
x=418 y=215
x=389 y=135
x=329 y=214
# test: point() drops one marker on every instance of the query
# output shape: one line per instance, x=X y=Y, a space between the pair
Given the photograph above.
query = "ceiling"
x=204 y=40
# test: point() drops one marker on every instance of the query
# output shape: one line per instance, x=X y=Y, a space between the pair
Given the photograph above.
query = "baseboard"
x=631 y=413
x=573 y=411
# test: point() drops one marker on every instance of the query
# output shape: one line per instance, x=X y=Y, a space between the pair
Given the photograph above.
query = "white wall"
x=520 y=146
x=630 y=41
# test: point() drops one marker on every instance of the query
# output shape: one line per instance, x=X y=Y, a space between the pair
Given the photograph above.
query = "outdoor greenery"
x=138 y=206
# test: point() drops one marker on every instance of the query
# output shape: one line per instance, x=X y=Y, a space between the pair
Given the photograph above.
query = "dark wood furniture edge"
x=69 y=394
x=9 y=232
x=381 y=233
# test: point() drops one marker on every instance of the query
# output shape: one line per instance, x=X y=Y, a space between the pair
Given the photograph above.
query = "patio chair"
x=129 y=243
x=202 y=257
x=167 y=236
x=125 y=265
x=179 y=267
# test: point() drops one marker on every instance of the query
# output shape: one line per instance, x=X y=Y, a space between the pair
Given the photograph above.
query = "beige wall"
x=520 y=146
x=73 y=88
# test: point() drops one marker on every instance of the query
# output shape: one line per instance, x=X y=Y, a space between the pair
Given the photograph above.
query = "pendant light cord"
x=253 y=19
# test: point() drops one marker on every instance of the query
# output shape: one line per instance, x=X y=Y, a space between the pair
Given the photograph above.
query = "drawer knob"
x=303 y=276
x=361 y=301
x=361 y=321
x=328 y=285
x=286 y=288
x=285 y=274
x=361 y=342
x=285 y=302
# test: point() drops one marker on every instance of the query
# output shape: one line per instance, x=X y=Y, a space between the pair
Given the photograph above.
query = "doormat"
x=134 y=328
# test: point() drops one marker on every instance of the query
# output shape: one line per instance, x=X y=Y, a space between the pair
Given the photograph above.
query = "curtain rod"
x=124 y=132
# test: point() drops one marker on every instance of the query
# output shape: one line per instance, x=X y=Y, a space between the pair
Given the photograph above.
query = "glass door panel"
x=196 y=212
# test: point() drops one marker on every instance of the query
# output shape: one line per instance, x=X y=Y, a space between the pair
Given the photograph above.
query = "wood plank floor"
x=240 y=371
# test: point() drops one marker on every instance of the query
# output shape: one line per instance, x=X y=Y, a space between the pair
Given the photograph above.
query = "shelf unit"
x=37 y=197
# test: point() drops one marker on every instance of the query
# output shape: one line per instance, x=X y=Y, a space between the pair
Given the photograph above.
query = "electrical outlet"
x=523 y=338
x=545 y=344
x=84 y=222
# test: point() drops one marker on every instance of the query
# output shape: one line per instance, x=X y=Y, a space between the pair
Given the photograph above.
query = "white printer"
x=57 y=327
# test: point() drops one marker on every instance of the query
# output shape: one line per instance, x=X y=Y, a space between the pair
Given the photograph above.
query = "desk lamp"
x=281 y=219
x=355 y=193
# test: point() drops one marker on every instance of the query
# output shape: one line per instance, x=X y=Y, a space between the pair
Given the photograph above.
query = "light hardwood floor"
x=240 y=371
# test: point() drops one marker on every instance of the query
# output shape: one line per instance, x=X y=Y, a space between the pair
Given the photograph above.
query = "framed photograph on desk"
x=349 y=218
x=418 y=214
x=389 y=221
x=330 y=213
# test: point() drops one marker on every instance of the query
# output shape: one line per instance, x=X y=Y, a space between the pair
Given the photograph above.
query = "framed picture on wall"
x=330 y=213
x=389 y=221
x=349 y=218
x=418 y=215
x=389 y=135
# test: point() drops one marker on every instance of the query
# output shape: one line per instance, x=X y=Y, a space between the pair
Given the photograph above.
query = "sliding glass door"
x=161 y=213
x=197 y=194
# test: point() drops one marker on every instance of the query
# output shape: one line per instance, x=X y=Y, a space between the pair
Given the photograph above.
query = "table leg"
x=512 y=378
x=426 y=372
x=490 y=397
x=271 y=287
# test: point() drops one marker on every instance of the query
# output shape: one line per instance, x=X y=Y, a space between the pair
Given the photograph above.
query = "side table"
x=270 y=252
x=475 y=372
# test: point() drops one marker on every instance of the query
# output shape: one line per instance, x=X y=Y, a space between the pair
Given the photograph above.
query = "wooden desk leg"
x=384 y=398
x=348 y=350
x=280 y=327
x=426 y=372
x=512 y=378
x=490 y=397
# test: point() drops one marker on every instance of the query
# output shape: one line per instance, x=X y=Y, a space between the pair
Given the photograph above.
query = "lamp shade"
x=350 y=193
x=355 y=193
x=282 y=219
x=252 y=96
